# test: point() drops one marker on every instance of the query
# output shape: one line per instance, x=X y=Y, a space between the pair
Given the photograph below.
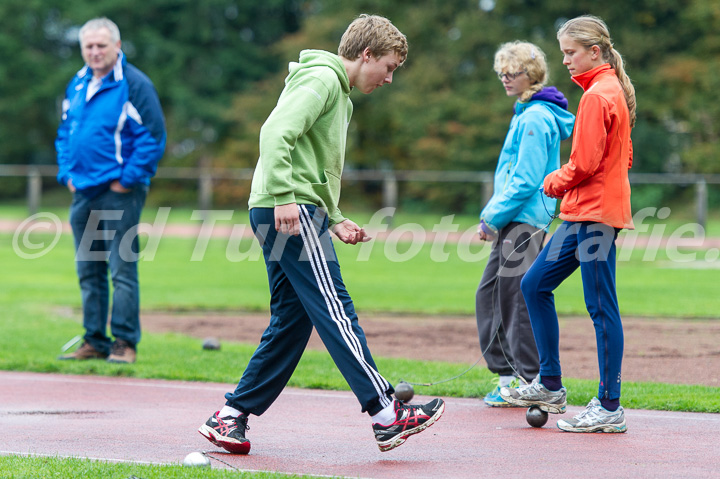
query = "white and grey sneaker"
x=595 y=418
x=535 y=394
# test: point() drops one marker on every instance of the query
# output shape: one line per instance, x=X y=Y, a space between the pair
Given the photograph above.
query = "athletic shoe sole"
x=544 y=406
x=230 y=445
x=400 y=438
x=502 y=403
x=564 y=426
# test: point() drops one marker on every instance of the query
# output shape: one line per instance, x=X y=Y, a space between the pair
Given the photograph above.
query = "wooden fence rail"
x=389 y=179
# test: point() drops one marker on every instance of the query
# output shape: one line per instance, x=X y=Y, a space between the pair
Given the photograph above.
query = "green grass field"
x=40 y=300
x=21 y=467
x=381 y=276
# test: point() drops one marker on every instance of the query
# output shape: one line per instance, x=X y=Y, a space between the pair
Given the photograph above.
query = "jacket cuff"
x=547 y=186
x=285 y=199
x=124 y=184
x=335 y=218
x=130 y=177
x=488 y=229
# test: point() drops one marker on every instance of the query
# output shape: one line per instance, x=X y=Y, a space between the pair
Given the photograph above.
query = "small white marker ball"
x=196 y=459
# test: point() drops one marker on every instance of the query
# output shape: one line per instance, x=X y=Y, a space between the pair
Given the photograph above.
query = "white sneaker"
x=595 y=418
x=535 y=394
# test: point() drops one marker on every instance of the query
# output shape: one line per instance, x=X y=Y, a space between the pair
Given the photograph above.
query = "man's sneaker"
x=595 y=418
x=227 y=432
x=121 y=352
x=85 y=351
x=535 y=394
x=409 y=420
x=493 y=398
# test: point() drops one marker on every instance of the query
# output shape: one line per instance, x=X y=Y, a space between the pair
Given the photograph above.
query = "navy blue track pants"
x=306 y=291
x=591 y=246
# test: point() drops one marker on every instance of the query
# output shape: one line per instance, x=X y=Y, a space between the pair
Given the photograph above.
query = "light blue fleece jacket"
x=531 y=151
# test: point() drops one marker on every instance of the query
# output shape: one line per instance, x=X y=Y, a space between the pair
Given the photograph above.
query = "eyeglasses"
x=509 y=76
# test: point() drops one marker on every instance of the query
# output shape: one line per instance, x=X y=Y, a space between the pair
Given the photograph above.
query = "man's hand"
x=70 y=186
x=118 y=188
x=350 y=233
x=287 y=219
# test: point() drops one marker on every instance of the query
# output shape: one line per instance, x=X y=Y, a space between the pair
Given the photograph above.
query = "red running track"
x=323 y=433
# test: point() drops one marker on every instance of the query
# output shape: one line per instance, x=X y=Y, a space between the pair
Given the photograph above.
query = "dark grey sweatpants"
x=504 y=329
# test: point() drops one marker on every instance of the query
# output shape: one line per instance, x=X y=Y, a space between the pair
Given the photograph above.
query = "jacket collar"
x=585 y=80
x=117 y=72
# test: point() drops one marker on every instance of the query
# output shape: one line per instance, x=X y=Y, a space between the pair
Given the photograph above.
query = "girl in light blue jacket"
x=517 y=216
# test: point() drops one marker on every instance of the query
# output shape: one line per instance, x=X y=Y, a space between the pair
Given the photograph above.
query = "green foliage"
x=198 y=54
x=446 y=110
x=33 y=72
x=219 y=68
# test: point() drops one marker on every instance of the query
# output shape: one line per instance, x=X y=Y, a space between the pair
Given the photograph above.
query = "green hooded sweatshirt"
x=302 y=143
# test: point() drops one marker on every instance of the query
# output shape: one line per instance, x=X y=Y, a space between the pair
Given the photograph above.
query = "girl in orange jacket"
x=595 y=194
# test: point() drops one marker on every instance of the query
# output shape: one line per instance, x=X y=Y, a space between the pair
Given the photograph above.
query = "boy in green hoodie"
x=293 y=206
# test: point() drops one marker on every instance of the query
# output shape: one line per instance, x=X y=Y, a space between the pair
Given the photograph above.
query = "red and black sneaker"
x=227 y=432
x=409 y=420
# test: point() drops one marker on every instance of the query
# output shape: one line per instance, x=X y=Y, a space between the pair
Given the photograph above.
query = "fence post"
x=205 y=185
x=701 y=198
x=34 y=190
x=390 y=189
x=487 y=191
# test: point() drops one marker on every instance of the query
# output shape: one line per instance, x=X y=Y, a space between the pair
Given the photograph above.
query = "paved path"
x=323 y=433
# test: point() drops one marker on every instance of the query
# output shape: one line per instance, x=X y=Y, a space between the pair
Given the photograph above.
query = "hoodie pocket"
x=328 y=191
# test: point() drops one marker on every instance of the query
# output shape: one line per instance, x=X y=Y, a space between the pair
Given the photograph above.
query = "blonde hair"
x=588 y=30
x=517 y=56
x=376 y=33
x=97 y=24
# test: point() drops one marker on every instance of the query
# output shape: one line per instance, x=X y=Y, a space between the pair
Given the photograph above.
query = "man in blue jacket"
x=109 y=143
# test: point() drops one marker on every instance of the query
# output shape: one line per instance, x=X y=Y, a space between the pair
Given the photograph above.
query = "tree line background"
x=219 y=65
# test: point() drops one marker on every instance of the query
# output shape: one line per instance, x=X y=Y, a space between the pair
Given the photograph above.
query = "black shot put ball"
x=536 y=417
x=211 y=344
x=404 y=392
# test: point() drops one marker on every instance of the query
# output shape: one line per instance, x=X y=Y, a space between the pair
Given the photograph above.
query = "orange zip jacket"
x=594 y=184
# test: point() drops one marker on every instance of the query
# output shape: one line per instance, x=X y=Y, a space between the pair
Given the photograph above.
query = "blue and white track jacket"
x=119 y=134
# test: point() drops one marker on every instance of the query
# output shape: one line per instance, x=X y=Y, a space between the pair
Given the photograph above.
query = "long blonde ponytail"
x=616 y=62
x=588 y=30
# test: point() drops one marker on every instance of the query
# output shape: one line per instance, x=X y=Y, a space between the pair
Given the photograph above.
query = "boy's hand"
x=287 y=219
x=350 y=233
